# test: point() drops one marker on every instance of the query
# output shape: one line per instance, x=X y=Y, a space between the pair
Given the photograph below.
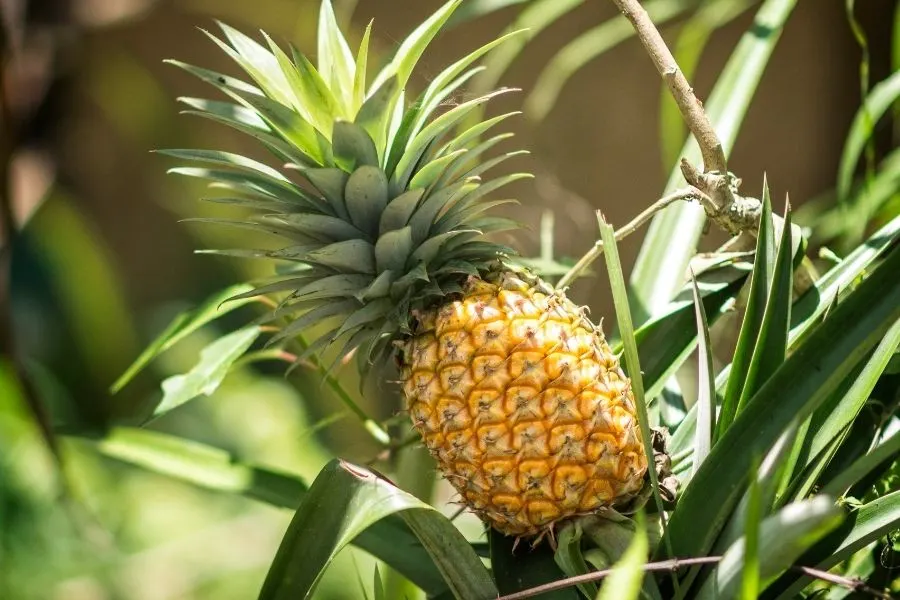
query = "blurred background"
x=100 y=264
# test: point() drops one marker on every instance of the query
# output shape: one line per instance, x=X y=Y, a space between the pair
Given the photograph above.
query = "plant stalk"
x=674 y=564
x=688 y=104
x=688 y=193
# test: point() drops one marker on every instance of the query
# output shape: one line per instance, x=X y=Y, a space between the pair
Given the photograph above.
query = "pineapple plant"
x=382 y=207
x=514 y=390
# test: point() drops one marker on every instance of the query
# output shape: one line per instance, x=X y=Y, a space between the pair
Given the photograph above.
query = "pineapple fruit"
x=515 y=392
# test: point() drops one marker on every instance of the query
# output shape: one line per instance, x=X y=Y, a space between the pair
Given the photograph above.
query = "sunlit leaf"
x=796 y=389
x=389 y=539
x=863 y=466
x=182 y=326
x=624 y=583
x=672 y=237
x=569 y=557
x=706 y=386
x=783 y=537
x=206 y=376
x=750 y=584
x=830 y=421
x=862 y=526
x=344 y=501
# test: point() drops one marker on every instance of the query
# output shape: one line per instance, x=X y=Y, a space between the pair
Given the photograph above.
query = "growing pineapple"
x=515 y=392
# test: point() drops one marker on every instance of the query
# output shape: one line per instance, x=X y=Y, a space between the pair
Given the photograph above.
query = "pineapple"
x=515 y=392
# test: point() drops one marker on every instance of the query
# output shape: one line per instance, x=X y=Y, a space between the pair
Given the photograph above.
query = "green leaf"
x=349 y=256
x=280 y=285
x=335 y=59
x=750 y=579
x=808 y=311
x=462 y=214
x=432 y=171
x=380 y=286
x=430 y=248
x=772 y=338
x=862 y=527
x=879 y=100
x=830 y=421
x=533 y=18
x=766 y=479
x=393 y=249
x=182 y=326
x=516 y=569
x=343 y=502
x=389 y=539
x=353 y=147
x=312 y=98
x=706 y=385
x=366 y=196
x=474 y=9
x=672 y=237
x=371 y=312
x=569 y=558
x=426 y=212
x=327 y=309
x=206 y=376
x=359 y=78
x=247 y=121
x=375 y=112
x=378 y=586
x=320 y=227
x=252 y=184
x=199 y=464
x=274 y=110
x=624 y=583
x=331 y=183
x=412 y=47
x=473 y=133
x=232 y=160
x=431 y=132
x=666 y=341
x=802 y=382
x=783 y=537
x=457 y=168
x=749 y=336
x=258 y=62
x=863 y=466
x=632 y=360
x=399 y=210
x=450 y=79
x=866 y=199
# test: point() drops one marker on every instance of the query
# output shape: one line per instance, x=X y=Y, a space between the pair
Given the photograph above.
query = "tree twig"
x=688 y=193
x=688 y=104
x=852 y=584
x=674 y=564
x=723 y=203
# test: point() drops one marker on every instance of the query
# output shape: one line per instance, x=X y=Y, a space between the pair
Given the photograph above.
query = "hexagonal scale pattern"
x=524 y=406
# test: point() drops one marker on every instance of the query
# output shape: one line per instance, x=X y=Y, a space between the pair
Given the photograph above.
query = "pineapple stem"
x=688 y=194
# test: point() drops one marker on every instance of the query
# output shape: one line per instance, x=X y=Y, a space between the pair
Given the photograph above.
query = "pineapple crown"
x=392 y=217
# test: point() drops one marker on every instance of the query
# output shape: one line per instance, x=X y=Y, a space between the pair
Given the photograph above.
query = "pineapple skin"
x=524 y=406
